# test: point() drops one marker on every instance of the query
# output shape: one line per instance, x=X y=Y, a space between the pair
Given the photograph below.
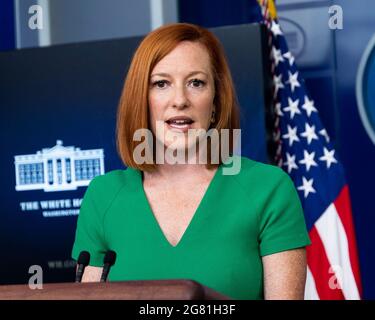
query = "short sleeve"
x=282 y=223
x=89 y=233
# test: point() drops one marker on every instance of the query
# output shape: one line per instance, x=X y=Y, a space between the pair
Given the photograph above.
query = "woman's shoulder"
x=111 y=181
x=261 y=173
x=104 y=189
x=264 y=182
x=253 y=167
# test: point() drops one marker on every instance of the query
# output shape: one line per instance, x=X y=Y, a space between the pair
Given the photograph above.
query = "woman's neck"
x=180 y=172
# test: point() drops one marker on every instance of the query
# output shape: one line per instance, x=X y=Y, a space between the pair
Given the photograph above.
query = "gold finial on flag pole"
x=268 y=9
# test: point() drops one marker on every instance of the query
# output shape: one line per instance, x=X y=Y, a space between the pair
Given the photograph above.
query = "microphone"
x=109 y=261
x=82 y=262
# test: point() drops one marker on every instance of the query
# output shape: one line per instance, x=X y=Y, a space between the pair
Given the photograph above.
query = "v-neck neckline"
x=195 y=218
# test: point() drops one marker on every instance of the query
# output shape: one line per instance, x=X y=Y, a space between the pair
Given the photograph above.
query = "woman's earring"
x=213 y=117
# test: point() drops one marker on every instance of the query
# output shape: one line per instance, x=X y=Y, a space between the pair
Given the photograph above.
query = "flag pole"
x=268 y=14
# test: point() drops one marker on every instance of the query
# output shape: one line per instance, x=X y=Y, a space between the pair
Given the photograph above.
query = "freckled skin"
x=285 y=275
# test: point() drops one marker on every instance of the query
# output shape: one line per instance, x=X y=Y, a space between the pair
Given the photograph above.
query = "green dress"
x=240 y=219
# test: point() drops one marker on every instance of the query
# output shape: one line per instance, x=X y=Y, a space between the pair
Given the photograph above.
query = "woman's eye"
x=197 y=83
x=161 y=84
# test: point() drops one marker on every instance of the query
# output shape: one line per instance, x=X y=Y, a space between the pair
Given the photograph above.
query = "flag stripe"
x=310 y=288
x=320 y=267
x=342 y=204
x=333 y=237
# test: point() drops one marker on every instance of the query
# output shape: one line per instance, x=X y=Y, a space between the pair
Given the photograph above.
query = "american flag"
x=305 y=152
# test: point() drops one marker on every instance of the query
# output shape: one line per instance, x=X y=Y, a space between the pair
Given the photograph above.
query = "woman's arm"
x=92 y=274
x=285 y=275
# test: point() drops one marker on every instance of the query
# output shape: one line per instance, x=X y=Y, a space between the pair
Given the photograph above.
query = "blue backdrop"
x=7 y=33
x=70 y=93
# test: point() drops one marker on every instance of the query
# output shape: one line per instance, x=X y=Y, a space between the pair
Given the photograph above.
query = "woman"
x=241 y=234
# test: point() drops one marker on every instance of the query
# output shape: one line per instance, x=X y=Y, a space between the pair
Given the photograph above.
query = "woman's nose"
x=180 y=99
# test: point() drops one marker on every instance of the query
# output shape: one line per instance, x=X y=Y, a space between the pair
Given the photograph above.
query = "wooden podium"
x=125 y=290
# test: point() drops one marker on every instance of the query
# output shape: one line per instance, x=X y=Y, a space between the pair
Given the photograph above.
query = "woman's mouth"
x=180 y=123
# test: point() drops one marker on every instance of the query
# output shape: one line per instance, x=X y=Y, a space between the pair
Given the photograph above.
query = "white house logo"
x=58 y=168
x=365 y=89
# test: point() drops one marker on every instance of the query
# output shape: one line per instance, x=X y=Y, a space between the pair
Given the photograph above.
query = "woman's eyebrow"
x=167 y=75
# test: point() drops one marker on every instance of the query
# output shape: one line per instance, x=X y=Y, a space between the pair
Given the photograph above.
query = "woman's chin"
x=178 y=145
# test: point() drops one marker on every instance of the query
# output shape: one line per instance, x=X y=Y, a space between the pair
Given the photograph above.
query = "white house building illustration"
x=58 y=168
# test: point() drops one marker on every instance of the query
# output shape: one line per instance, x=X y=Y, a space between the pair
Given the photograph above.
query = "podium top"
x=122 y=290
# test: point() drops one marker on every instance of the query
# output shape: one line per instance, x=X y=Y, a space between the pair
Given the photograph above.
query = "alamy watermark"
x=336 y=20
x=36 y=280
x=36 y=20
x=197 y=147
x=335 y=281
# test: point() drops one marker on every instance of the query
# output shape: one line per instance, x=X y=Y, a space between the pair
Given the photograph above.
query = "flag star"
x=292 y=107
x=328 y=157
x=290 y=162
x=277 y=56
x=278 y=109
x=291 y=135
x=309 y=106
x=289 y=57
x=293 y=80
x=276 y=30
x=324 y=133
x=309 y=133
x=307 y=186
x=308 y=160
x=277 y=80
